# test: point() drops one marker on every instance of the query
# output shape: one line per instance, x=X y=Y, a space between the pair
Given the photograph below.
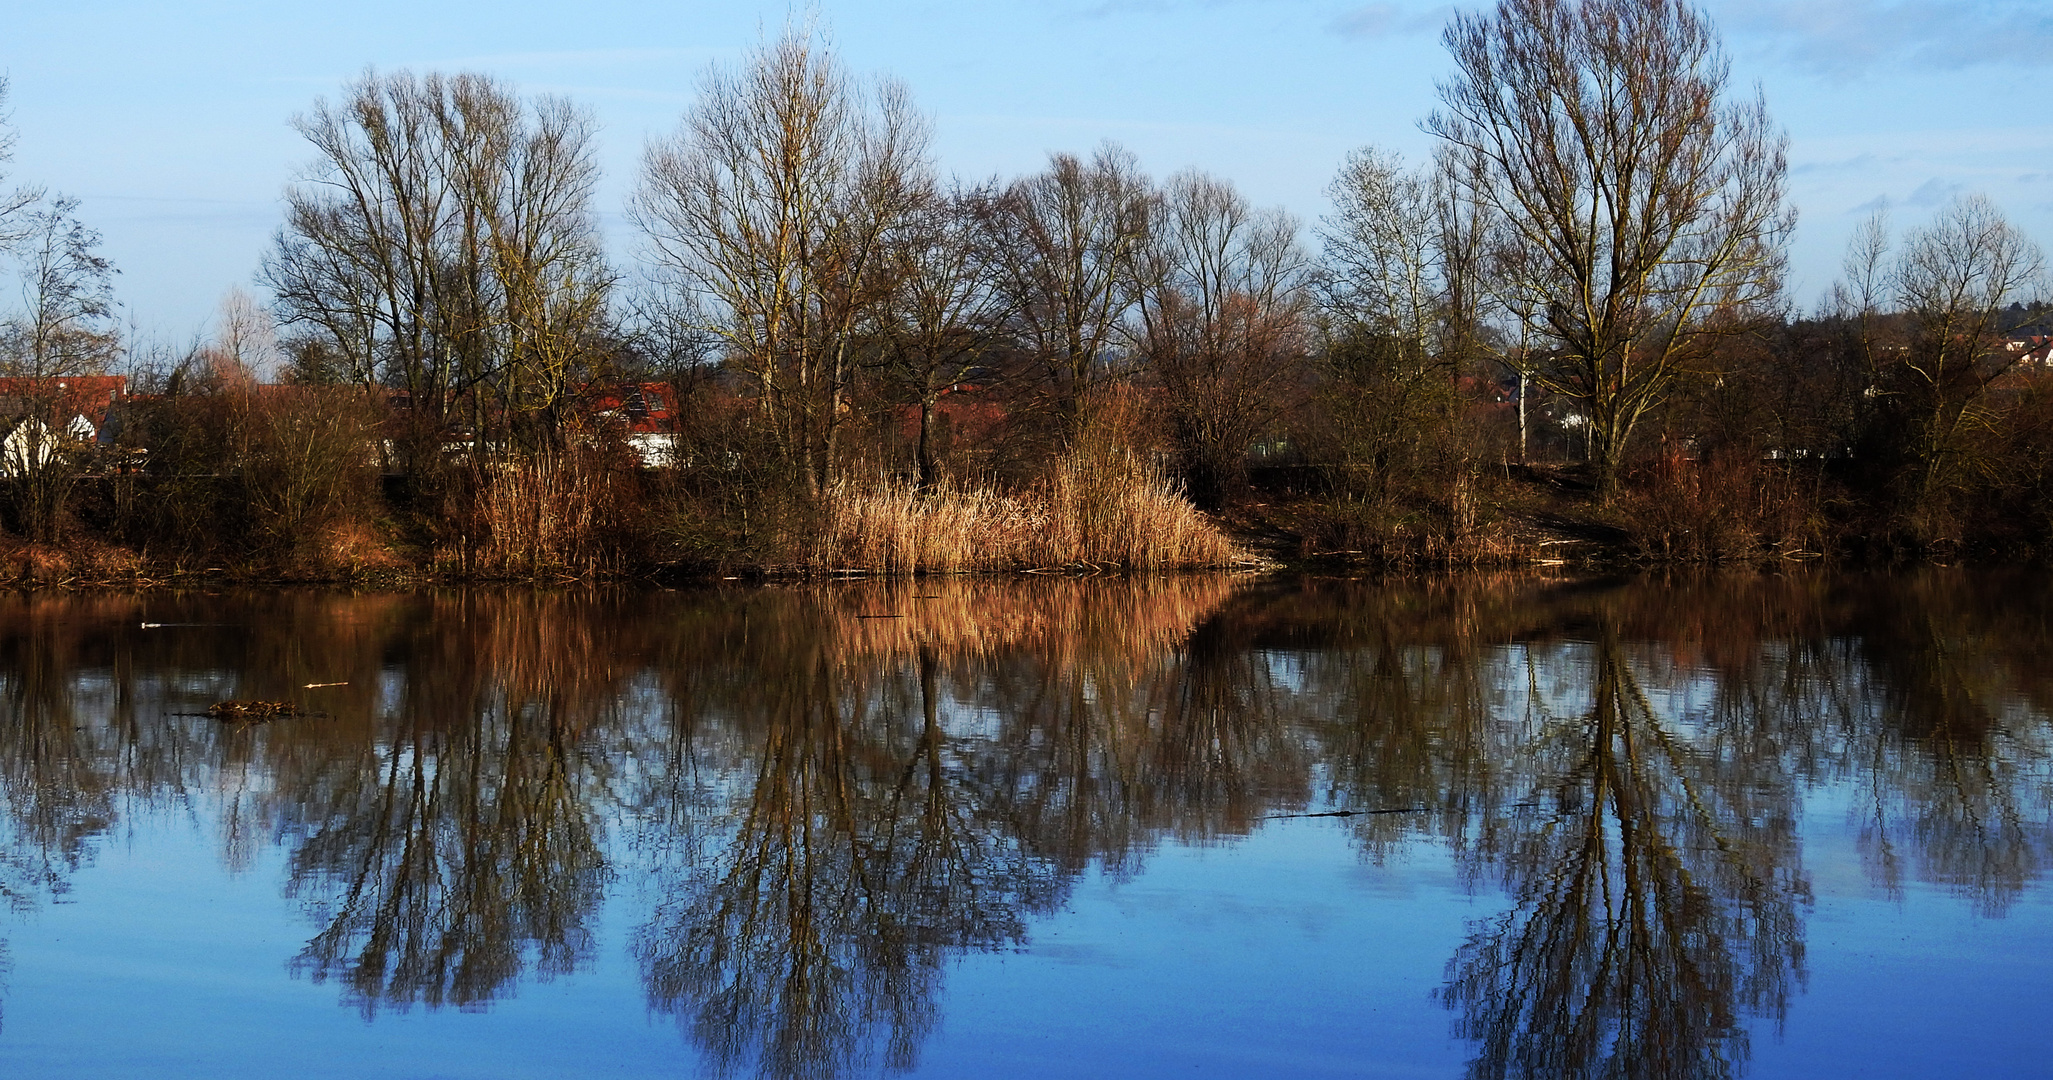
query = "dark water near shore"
x=1700 y=827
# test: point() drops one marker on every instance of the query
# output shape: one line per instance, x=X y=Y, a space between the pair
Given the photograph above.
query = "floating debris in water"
x=252 y=710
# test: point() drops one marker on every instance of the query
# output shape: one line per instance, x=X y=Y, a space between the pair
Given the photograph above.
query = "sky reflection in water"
x=1726 y=826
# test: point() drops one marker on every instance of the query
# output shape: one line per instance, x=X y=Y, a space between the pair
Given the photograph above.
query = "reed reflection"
x=1109 y=741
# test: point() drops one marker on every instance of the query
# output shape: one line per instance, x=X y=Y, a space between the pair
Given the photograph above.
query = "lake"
x=1713 y=825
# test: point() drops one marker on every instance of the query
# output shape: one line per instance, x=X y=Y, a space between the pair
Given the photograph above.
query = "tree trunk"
x=923 y=477
x=1522 y=416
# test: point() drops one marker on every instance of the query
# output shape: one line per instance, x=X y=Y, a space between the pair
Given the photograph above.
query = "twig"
x=1352 y=813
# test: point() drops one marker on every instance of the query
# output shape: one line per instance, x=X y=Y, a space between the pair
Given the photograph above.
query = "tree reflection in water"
x=1655 y=899
x=1649 y=853
x=857 y=833
x=1958 y=756
x=467 y=843
x=60 y=763
x=826 y=808
x=851 y=865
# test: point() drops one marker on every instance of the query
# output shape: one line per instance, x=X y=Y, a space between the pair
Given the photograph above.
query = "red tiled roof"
x=81 y=395
x=650 y=407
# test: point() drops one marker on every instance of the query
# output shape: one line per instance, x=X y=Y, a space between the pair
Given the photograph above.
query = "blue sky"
x=170 y=122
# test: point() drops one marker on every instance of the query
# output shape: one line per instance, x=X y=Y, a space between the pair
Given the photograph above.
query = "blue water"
x=738 y=835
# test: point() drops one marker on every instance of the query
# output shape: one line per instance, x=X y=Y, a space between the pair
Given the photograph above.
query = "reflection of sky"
x=1308 y=946
x=1281 y=954
x=163 y=965
x=1277 y=955
x=1916 y=984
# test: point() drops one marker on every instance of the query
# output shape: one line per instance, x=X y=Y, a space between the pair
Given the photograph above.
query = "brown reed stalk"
x=544 y=516
x=1104 y=510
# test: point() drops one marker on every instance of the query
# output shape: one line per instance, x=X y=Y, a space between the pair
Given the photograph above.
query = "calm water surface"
x=1702 y=827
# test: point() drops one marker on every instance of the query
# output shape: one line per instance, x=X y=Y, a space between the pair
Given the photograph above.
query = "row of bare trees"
x=1591 y=260
x=1601 y=217
x=796 y=218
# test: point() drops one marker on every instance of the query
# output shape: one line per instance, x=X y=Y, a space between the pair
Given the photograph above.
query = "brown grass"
x=552 y=515
x=353 y=549
x=78 y=561
x=539 y=516
x=1716 y=511
x=1107 y=510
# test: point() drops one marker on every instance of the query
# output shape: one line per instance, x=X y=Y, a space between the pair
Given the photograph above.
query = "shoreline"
x=38 y=570
x=1089 y=522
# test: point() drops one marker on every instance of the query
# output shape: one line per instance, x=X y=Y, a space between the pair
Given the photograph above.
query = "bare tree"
x=245 y=349
x=549 y=281
x=945 y=311
x=64 y=329
x=443 y=243
x=1952 y=281
x=1385 y=308
x=1634 y=208
x=1065 y=240
x=1928 y=328
x=771 y=209
x=66 y=323
x=1223 y=324
x=12 y=203
x=1383 y=253
x=1402 y=320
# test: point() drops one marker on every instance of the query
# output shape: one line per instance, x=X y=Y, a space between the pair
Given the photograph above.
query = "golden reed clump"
x=1106 y=510
x=561 y=515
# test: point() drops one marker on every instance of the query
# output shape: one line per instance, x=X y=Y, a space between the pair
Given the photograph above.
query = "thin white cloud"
x=1851 y=37
x=574 y=58
x=1836 y=37
x=1935 y=191
x=1113 y=8
x=1387 y=20
x=1864 y=162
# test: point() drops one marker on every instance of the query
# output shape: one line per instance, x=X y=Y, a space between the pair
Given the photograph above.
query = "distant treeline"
x=1564 y=334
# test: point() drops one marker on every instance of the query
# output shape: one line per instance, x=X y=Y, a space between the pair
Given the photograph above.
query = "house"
x=30 y=443
x=2035 y=351
x=649 y=411
x=39 y=416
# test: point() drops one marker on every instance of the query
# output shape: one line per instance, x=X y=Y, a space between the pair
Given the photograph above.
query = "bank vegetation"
x=1563 y=337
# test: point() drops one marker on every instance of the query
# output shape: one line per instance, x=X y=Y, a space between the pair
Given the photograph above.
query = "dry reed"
x=1104 y=511
x=546 y=516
